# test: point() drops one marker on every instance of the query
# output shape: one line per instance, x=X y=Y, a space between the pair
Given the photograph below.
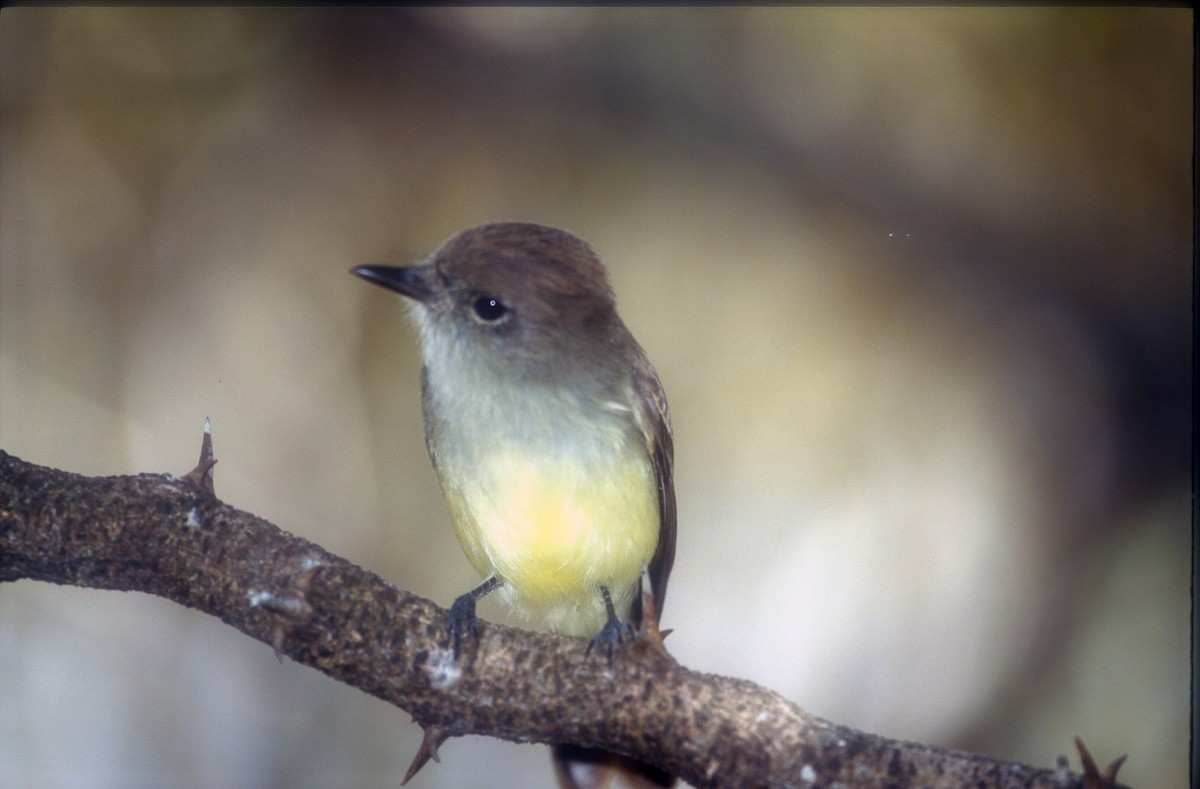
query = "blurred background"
x=917 y=282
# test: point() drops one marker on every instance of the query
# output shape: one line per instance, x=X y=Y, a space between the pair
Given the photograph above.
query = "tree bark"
x=170 y=536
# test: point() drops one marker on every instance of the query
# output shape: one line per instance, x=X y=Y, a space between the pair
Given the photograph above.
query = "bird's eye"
x=489 y=309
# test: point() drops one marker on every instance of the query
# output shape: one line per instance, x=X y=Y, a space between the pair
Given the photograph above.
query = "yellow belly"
x=556 y=531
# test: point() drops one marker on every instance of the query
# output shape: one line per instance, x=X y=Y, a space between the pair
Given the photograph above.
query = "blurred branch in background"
x=916 y=282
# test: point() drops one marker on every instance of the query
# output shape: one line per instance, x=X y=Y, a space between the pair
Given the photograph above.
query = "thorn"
x=649 y=637
x=430 y=743
x=1090 y=774
x=287 y=609
x=202 y=475
x=1092 y=777
x=303 y=581
x=277 y=641
x=1110 y=772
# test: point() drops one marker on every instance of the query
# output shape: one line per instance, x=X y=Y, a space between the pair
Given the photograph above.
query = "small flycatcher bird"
x=549 y=431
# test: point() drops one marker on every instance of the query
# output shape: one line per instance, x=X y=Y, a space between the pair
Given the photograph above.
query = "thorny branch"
x=170 y=536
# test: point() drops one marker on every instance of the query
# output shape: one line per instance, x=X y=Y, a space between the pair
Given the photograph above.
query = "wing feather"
x=654 y=420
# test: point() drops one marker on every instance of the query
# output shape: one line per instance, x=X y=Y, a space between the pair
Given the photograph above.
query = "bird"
x=550 y=434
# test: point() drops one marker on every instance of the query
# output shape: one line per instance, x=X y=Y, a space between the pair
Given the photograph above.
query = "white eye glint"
x=489 y=309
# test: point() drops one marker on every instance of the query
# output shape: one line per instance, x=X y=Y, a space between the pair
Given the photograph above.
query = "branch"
x=170 y=536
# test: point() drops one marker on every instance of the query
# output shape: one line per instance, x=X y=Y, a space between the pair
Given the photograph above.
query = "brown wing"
x=650 y=408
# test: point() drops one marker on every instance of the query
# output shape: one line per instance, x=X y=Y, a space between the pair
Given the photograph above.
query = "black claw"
x=610 y=637
x=462 y=622
x=614 y=631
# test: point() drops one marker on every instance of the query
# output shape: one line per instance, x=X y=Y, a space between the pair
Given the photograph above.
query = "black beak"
x=416 y=282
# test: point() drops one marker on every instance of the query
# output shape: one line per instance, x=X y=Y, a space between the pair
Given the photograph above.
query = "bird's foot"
x=613 y=633
x=462 y=623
